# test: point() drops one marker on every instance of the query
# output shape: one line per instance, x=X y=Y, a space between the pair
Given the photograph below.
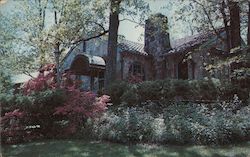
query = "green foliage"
x=227 y=91
x=37 y=111
x=178 y=123
x=150 y=90
x=46 y=101
x=10 y=102
x=130 y=96
x=40 y=102
x=5 y=81
x=130 y=125
x=116 y=90
x=76 y=148
x=172 y=90
x=192 y=123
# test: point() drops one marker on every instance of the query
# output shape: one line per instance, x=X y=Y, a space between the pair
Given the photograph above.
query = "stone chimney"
x=156 y=33
x=157 y=41
x=234 y=24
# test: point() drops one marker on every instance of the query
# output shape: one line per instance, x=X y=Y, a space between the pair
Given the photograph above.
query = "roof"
x=21 y=78
x=95 y=60
x=133 y=47
x=191 y=41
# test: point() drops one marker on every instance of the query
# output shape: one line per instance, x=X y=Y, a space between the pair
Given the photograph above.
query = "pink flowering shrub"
x=80 y=106
x=46 y=110
x=45 y=80
x=11 y=125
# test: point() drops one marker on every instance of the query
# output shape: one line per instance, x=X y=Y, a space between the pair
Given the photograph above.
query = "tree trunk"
x=112 y=42
x=225 y=21
x=234 y=24
x=57 y=59
x=42 y=12
x=248 y=32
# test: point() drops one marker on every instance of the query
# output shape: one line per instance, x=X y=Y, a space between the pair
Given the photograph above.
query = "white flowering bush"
x=178 y=123
x=131 y=125
x=199 y=124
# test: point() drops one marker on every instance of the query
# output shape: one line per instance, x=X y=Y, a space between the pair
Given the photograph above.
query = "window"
x=136 y=69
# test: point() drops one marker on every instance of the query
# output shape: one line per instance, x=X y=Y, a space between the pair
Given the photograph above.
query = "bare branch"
x=209 y=19
x=133 y=21
x=27 y=73
x=93 y=37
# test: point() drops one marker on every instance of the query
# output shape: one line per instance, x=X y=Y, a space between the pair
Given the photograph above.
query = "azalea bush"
x=58 y=111
x=79 y=107
x=12 y=126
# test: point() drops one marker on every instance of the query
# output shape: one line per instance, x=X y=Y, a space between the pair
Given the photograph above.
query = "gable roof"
x=190 y=41
x=182 y=44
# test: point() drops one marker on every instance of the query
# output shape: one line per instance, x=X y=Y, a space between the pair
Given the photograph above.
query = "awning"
x=95 y=60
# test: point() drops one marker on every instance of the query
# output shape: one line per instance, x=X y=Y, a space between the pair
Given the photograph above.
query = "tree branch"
x=96 y=36
x=133 y=21
x=28 y=74
x=87 y=39
x=209 y=19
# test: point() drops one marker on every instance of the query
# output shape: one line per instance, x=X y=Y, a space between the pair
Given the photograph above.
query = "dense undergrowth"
x=178 y=123
x=176 y=90
x=166 y=111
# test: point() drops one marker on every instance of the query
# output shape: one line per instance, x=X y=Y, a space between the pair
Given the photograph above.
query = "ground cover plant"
x=176 y=123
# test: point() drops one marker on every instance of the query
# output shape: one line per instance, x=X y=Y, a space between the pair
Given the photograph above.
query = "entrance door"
x=183 y=70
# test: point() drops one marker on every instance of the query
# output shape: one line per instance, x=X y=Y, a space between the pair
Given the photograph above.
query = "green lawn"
x=79 y=148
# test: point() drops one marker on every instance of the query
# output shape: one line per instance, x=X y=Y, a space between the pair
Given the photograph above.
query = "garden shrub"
x=12 y=126
x=178 y=123
x=197 y=124
x=55 y=111
x=130 y=126
x=207 y=90
x=150 y=90
x=227 y=91
x=130 y=96
x=172 y=90
x=10 y=102
x=116 y=90
x=168 y=90
x=37 y=110
x=181 y=89
x=79 y=107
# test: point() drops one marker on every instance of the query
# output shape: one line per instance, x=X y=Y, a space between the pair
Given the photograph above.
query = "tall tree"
x=226 y=25
x=39 y=34
x=207 y=15
x=112 y=40
x=129 y=9
x=248 y=32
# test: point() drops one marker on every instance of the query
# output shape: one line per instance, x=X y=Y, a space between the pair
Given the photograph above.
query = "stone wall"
x=128 y=59
x=157 y=42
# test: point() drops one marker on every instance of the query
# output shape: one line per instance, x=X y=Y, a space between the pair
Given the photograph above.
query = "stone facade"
x=157 y=42
x=159 y=58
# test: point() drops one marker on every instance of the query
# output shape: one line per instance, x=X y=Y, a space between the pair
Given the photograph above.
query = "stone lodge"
x=158 y=58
